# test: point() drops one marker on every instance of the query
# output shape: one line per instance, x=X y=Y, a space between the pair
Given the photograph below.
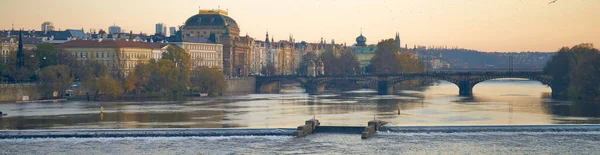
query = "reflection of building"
x=236 y=49
x=116 y=55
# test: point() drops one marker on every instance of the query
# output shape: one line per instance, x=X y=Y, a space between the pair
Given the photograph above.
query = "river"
x=501 y=102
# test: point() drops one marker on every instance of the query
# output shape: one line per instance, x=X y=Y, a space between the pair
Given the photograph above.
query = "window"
x=97 y=54
x=102 y=54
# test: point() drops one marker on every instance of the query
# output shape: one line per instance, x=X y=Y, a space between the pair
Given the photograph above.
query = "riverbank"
x=28 y=92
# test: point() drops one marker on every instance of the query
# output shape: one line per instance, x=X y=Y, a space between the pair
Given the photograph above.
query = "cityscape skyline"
x=525 y=25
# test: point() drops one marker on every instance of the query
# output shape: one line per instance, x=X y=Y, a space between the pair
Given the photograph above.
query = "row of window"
x=201 y=47
x=97 y=54
x=204 y=55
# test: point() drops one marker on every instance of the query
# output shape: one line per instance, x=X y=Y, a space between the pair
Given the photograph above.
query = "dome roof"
x=361 y=40
x=211 y=20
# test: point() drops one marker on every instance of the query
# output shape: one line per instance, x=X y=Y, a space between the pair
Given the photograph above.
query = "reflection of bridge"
x=385 y=82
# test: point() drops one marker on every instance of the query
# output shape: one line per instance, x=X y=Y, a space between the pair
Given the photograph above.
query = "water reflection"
x=494 y=102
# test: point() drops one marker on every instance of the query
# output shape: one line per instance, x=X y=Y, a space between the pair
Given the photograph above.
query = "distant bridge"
x=385 y=82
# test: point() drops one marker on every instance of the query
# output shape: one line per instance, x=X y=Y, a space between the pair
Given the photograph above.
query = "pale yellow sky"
x=489 y=25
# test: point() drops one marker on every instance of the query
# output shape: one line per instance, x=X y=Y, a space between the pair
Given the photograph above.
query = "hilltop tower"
x=397 y=39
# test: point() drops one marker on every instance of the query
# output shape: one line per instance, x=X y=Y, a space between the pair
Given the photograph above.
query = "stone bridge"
x=385 y=82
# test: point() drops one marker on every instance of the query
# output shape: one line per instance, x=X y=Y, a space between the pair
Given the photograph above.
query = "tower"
x=397 y=39
x=267 y=38
x=20 y=55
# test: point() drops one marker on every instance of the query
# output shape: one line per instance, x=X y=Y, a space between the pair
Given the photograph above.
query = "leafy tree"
x=342 y=63
x=180 y=57
x=46 y=54
x=25 y=73
x=102 y=86
x=208 y=80
x=330 y=62
x=269 y=69
x=349 y=63
x=157 y=76
x=386 y=58
x=389 y=60
x=576 y=72
x=55 y=78
x=303 y=66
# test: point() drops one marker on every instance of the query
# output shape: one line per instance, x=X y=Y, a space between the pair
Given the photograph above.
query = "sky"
x=487 y=25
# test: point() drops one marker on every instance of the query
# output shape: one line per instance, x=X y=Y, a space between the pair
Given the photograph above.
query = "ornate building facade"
x=236 y=49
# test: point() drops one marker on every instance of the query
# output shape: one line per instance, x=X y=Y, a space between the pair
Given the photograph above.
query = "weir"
x=219 y=132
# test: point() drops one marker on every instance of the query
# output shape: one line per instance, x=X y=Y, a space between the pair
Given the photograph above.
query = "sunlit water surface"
x=495 y=102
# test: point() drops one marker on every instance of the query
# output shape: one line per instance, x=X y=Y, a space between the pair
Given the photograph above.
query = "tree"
x=21 y=74
x=389 y=60
x=349 y=63
x=575 y=72
x=330 y=62
x=55 y=79
x=303 y=66
x=386 y=58
x=269 y=69
x=208 y=80
x=180 y=57
x=157 y=76
x=103 y=85
x=46 y=54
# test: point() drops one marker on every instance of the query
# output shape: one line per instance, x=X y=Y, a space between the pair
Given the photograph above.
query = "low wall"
x=15 y=92
x=241 y=85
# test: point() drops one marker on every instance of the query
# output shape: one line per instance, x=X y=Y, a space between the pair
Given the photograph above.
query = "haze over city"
x=505 y=26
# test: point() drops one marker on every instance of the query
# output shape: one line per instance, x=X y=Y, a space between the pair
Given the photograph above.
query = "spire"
x=20 y=54
x=267 y=38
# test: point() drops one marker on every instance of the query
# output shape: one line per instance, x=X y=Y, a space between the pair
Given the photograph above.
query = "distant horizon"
x=488 y=26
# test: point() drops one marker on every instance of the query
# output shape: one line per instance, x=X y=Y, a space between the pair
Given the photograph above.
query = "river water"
x=502 y=102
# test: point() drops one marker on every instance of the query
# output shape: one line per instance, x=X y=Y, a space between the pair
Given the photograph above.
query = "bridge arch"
x=318 y=84
x=266 y=84
x=386 y=85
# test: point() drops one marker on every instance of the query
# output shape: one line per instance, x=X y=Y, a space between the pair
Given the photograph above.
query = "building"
x=363 y=52
x=47 y=27
x=203 y=53
x=64 y=36
x=172 y=31
x=8 y=45
x=259 y=57
x=114 y=29
x=120 y=57
x=236 y=49
x=161 y=29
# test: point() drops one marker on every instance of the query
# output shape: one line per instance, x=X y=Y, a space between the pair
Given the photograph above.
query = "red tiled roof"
x=111 y=44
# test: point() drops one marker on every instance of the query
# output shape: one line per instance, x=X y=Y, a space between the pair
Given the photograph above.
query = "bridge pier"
x=383 y=88
x=465 y=88
x=313 y=88
x=267 y=87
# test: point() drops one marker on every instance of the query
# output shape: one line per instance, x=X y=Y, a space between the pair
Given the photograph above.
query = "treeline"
x=476 y=59
x=576 y=72
x=335 y=61
x=55 y=71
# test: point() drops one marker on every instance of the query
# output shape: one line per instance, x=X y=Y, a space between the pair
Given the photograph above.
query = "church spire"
x=20 y=54
x=397 y=39
x=267 y=38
